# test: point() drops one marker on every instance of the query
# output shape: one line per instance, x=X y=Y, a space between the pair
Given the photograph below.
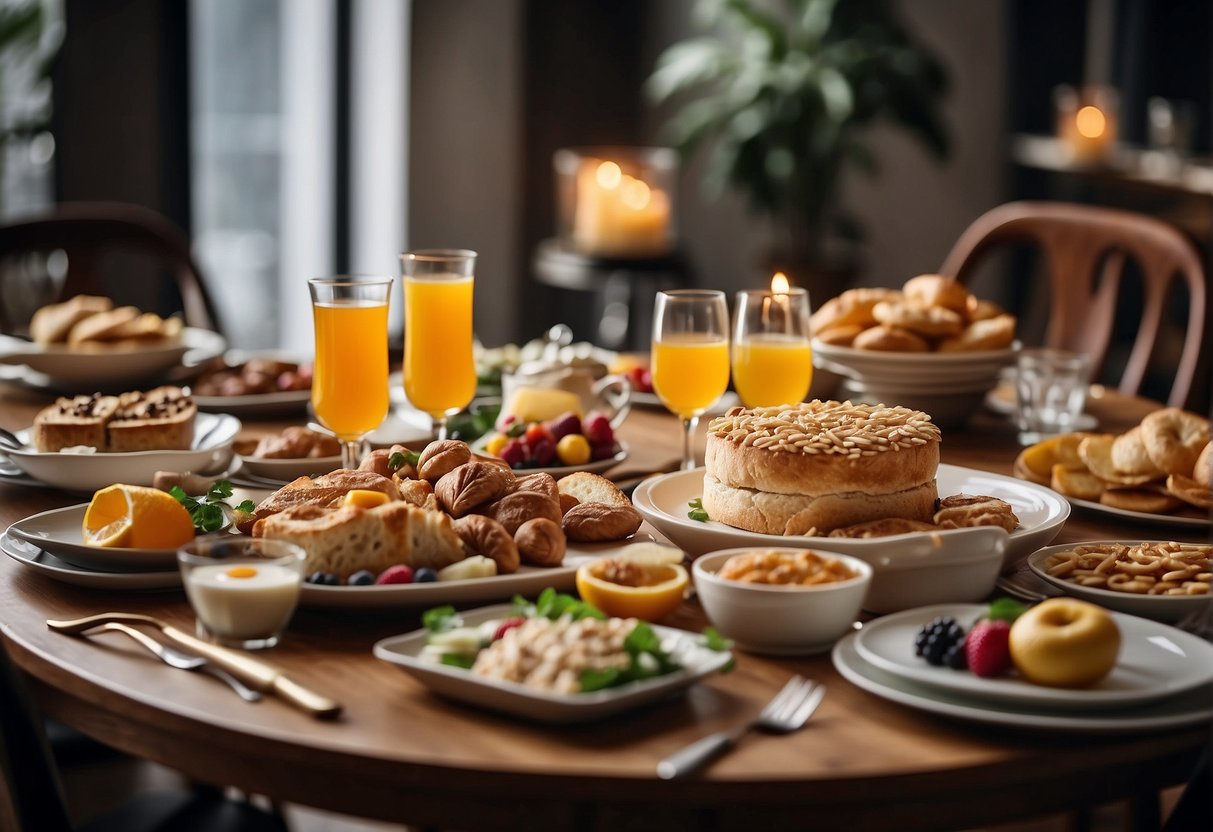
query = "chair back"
x=1085 y=250
x=89 y=233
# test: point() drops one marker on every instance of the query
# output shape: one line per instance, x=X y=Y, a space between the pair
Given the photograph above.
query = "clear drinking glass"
x=690 y=357
x=772 y=359
x=349 y=385
x=243 y=589
x=439 y=371
x=1050 y=392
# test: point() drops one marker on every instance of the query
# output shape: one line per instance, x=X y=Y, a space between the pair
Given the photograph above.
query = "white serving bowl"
x=947 y=385
x=949 y=574
x=781 y=620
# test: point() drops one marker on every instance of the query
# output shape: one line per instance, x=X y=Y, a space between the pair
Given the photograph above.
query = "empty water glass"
x=1051 y=390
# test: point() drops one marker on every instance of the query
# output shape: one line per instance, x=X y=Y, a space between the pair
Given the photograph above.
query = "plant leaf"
x=685 y=65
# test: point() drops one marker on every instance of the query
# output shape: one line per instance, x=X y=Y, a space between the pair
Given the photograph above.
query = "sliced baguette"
x=591 y=488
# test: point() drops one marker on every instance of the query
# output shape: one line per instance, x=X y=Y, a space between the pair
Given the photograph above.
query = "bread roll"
x=819 y=466
x=52 y=323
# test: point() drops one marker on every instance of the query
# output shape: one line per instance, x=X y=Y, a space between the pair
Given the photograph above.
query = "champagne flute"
x=349 y=385
x=690 y=357
x=772 y=359
x=439 y=371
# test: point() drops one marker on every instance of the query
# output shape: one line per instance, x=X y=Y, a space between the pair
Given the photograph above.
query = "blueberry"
x=363 y=577
x=323 y=579
x=425 y=575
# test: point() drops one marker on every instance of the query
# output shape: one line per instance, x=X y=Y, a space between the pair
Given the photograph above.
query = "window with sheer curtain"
x=298 y=113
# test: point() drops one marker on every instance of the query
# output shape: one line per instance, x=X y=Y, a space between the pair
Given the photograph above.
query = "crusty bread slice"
x=76 y=421
x=160 y=419
x=52 y=323
x=348 y=539
x=591 y=488
x=324 y=491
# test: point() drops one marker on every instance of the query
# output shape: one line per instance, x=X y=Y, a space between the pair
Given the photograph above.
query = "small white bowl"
x=780 y=620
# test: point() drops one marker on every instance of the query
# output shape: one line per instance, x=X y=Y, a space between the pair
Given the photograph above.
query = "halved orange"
x=627 y=588
x=137 y=517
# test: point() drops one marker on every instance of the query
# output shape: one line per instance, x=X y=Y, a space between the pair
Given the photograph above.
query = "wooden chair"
x=109 y=248
x=1086 y=249
x=32 y=798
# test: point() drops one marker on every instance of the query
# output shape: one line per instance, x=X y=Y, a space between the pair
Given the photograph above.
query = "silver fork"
x=184 y=661
x=789 y=710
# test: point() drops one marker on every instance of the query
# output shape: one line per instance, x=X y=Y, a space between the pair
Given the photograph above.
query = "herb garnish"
x=697 y=511
x=208 y=513
x=401 y=458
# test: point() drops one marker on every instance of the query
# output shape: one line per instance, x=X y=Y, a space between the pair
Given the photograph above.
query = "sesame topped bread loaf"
x=819 y=466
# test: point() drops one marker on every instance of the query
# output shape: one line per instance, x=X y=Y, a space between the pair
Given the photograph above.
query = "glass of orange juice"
x=349 y=384
x=772 y=359
x=690 y=360
x=439 y=371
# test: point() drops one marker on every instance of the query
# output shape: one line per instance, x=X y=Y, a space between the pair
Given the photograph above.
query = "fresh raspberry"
x=987 y=648
x=401 y=573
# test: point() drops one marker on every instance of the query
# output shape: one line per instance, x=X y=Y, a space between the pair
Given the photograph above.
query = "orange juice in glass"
x=349 y=387
x=772 y=359
x=439 y=371
x=690 y=357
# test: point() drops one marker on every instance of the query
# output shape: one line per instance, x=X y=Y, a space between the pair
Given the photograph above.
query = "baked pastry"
x=324 y=491
x=348 y=539
x=890 y=339
x=819 y=466
x=936 y=290
x=854 y=306
x=297 y=442
x=80 y=420
x=884 y=528
x=160 y=419
x=104 y=326
x=962 y=511
x=52 y=323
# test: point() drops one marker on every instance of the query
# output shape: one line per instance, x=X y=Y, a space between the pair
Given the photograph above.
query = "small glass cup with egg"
x=243 y=590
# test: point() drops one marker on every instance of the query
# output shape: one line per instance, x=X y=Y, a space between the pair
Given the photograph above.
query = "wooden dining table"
x=401 y=753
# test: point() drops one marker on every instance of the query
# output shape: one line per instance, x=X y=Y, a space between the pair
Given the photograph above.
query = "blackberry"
x=938 y=641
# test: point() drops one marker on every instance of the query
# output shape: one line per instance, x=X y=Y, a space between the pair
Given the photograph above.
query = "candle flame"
x=1091 y=122
x=779 y=283
x=609 y=175
x=635 y=194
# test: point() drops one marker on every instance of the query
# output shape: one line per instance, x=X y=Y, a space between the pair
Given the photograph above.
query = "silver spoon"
x=184 y=661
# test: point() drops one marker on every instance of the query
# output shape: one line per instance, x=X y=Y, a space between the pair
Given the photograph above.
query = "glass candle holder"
x=616 y=202
x=1087 y=122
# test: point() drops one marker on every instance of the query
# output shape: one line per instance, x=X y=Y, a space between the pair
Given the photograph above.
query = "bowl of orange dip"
x=781 y=601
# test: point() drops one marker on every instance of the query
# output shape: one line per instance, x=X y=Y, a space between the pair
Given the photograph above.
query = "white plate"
x=1145 y=517
x=66 y=367
x=1041 y=511
x=285 y=470
x=257 y=404
x=213 y=437
x=729 y=399
x=58 y=532
x=1157 y=607
x=1190 y=708
x=545 y=706
x=528 y=580
x=901 y=368
x=50 y=566
x=1156 y=661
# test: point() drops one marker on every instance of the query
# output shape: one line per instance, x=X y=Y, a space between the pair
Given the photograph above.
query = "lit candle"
x=1086 y=124
x=617 y=214
x=775 y=307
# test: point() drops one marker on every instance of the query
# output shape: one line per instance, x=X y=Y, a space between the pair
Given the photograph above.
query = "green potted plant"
x=782 y=92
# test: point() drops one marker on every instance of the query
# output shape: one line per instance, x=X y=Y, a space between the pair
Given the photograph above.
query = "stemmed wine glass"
x=690 y=357
x=349 y=387
x=439 y=370
x=772 y=358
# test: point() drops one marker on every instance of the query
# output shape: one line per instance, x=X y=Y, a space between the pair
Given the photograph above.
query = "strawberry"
x=987 y=648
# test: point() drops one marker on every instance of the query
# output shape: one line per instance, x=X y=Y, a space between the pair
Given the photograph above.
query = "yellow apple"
x=1064 y=643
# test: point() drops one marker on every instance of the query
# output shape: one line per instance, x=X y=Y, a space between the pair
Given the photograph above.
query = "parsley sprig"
x=401 y=458
x=208 y=512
